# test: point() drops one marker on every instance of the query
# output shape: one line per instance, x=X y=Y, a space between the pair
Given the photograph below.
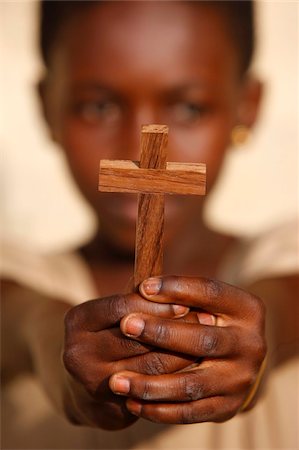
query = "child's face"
x=119 y=65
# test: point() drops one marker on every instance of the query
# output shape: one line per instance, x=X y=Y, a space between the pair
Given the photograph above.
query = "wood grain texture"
x=177 y=178
x=153 y=153
x=151 y=178
x=150 y=221
x=149 y=237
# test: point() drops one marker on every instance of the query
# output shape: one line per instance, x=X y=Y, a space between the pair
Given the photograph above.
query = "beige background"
x=39 y=203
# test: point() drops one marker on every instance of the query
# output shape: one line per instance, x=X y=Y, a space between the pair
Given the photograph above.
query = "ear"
x=250 y=102
x=42 y=93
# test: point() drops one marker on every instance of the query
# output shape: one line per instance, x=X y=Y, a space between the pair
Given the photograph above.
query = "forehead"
x=127 y=38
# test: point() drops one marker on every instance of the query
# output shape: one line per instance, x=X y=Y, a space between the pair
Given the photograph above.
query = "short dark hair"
x=239 y=13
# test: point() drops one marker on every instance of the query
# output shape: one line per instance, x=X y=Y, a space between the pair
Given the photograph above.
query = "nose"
x=129 y=145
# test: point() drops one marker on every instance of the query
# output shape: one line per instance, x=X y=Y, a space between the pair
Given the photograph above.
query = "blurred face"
x=119 y=65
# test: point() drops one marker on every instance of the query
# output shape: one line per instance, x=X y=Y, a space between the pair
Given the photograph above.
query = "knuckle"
x=233 y=407
x=117 y=307
x=161 y=334
x=259 y=356
x=262 y=308
x=84 y=369
x=188 y=415
x=213 y=288
x=130 y=346
x=77 y=363
x=224 y=408
x=247 y=375
x=158 y=366
x=257 y=349
x=72 y=319
x=154 y=366
x=146 y=392
x=208 y=343
x=258 y=311
x=71 y=358
x=191 y=388
x=248 y=379
x=261 y=350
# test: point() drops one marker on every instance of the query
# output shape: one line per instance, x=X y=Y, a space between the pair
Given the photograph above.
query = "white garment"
x=272 y=424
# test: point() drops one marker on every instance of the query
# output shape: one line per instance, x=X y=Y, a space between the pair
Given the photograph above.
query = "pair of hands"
x=182 y=350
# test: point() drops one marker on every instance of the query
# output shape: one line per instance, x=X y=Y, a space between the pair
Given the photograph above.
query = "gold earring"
x=239 y=135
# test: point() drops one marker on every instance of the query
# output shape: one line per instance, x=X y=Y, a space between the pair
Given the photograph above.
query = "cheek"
x=85 y=171
x=85 y=146
x=207 y=144
x=83 y=149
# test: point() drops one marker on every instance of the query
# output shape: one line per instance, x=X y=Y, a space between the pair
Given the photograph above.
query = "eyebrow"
x=96 y=86
x=198 y=86
x=91 y=86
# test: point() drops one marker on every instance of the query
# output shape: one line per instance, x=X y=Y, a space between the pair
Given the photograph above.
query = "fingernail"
x=133 y=326
x=151 y=286
x=180 y=310
x=133 y=407
x=120 y=385
x=206 y=319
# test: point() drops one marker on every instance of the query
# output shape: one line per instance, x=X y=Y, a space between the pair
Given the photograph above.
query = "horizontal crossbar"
x=177 y=178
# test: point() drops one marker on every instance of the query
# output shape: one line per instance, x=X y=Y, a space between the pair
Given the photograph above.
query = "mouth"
x=123 y=208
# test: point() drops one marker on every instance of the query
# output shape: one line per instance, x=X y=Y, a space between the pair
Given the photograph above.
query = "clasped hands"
x=182 y=350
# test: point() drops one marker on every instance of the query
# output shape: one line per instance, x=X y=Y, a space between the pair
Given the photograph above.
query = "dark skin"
x=188 y=365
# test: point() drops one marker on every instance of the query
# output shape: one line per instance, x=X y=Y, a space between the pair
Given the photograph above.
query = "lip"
x=121 y=209
x=124 y=209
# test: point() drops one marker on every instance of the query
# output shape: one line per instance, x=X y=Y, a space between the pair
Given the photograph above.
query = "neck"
x=197 y=251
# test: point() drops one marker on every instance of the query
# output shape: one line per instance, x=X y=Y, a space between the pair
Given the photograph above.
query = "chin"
x=120 y=240
x=119 y=226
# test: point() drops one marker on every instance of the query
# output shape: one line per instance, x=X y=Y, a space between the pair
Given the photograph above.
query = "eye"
x=96 y=111
x=186 y=112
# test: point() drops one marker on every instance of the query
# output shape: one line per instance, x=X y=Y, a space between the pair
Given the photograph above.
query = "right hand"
x=95 y=348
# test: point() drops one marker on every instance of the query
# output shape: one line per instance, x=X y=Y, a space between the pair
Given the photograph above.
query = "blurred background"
x=41 y=206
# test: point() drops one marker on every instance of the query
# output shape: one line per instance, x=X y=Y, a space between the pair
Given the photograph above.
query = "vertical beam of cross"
x=150 y=220
x=151 y=178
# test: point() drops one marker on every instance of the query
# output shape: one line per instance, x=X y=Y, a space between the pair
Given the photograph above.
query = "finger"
x=85 y=368
x=96 y=315
x=180 y=387
x=187 y=338
x=156 y=363
x=211 y=295
x=111 y=345
x=201 y=381
x=214 y=409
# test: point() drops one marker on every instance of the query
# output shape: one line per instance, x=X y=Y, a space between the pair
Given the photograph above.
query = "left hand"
x=228 y=341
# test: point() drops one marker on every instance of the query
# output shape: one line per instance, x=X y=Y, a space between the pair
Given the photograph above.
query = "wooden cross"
x=151 y=178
